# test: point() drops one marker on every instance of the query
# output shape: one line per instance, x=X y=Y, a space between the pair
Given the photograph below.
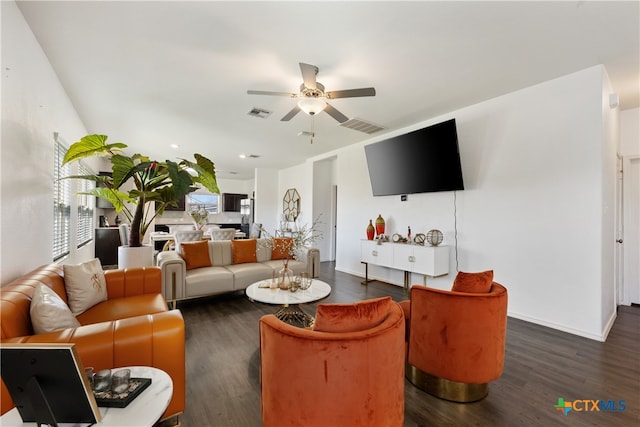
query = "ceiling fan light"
x=311 y=105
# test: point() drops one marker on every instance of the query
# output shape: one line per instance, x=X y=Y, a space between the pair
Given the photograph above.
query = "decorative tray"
x=110 y=399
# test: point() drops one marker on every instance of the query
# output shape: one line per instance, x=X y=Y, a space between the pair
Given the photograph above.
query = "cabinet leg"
x=366 y=274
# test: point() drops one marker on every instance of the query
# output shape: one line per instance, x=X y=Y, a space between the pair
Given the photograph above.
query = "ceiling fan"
x=313 y=95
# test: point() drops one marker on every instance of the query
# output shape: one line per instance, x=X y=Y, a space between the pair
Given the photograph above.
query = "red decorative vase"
x=370 y=230
x=379 y=225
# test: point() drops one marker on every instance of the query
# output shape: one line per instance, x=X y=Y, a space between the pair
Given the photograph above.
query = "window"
x=199 y=200
x=85 y=207
x=61 y=203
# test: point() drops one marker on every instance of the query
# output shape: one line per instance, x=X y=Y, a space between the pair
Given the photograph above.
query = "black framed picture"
x=47 y=383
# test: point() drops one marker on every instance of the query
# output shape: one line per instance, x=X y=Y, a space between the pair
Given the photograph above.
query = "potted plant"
x=137 y=183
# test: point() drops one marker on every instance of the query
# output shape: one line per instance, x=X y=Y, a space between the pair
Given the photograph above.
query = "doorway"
x=334 y=220
x=629 y=237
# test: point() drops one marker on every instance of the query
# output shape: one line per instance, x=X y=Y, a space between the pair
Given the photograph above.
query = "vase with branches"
x=292 y=246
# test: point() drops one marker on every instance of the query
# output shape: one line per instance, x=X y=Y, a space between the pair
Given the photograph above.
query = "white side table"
x=145 y=410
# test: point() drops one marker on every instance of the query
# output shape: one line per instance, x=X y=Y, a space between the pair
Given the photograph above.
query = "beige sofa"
x=224 y=276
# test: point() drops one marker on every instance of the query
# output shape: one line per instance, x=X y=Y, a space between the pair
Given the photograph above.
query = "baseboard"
x=371 y=277
x=609 y=325
x=601 y=337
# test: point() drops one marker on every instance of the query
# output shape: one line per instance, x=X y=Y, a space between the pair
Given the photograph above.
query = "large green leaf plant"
x=159 y=183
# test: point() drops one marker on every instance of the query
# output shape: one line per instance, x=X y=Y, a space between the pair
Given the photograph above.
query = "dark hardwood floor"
x=541 y=365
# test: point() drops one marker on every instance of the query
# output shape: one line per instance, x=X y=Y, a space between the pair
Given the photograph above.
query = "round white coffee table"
x=290 y=312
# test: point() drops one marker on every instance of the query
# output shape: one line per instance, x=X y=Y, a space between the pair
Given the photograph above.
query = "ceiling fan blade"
x=341 y=118
x=309 y=73
x=290 y=114
x=352 y=93
x=267 y=92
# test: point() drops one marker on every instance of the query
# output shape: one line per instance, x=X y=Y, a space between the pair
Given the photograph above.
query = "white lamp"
x=311 y=105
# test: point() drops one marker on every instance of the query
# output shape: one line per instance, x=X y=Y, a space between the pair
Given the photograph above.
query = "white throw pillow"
x=85 y=285
x=49 y=312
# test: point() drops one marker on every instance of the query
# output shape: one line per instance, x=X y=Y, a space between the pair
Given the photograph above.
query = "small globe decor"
x=435 y=237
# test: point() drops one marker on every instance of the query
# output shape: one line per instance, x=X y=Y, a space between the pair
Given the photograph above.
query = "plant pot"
x=134 y=257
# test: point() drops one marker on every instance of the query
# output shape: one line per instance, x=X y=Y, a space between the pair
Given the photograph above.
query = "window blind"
x=61 y=204
x=86 y=202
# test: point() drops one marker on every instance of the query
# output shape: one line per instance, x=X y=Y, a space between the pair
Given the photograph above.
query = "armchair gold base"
x=445 y=389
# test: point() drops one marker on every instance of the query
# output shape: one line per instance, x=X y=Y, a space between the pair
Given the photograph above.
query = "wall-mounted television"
x=422 y=161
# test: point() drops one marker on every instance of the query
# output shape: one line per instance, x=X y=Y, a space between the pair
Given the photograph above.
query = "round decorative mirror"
x=291 y=205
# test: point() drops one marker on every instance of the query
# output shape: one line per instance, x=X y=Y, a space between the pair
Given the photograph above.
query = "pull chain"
x=313 y=132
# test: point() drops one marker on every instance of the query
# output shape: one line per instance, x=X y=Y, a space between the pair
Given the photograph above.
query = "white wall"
x=268 y=205
x=610 y=143
x=324 y=179
x=34 y=106
x=630 y=132
x=299 y=177
x=535 y=208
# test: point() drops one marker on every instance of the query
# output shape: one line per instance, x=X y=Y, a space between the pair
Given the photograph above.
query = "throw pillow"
x=351 y=317
x=196 y=254
x=49 y=312
x=281 y=248
x=475 y=283
x=244 y=250
x=85 y=285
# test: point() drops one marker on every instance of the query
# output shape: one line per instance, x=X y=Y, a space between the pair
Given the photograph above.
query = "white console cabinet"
x=426 y=260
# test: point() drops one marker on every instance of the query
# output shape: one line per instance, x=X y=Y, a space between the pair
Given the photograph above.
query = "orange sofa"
x=352 y=375
x=455 y=340
x=133 y=327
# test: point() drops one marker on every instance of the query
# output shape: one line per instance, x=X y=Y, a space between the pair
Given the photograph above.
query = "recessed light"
x=243 y=156
x=174 y=146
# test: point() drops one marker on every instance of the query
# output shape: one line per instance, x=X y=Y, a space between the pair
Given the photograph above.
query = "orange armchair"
x=455 y=341
x=351 y=375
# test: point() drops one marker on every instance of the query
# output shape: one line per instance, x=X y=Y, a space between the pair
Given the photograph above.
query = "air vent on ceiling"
x=361 y=125
x=259 y=112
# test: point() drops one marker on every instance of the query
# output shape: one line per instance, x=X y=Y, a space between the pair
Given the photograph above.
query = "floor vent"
x=259 y=112
x=362 y=126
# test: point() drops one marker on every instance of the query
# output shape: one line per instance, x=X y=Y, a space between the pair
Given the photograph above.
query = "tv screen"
x=425 y=160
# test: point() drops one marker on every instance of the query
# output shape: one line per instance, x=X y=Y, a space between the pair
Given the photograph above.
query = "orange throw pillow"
x=475 y=283
x=196 y=254
x=281 y=247
x=244 y=250
x=354 y=317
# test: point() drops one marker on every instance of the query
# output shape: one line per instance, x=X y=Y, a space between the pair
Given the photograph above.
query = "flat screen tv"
x=422 y=161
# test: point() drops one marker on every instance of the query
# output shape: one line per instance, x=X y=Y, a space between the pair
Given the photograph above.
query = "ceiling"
x=156 y=73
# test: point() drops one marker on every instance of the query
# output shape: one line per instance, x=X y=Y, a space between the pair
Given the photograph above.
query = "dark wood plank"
x=541 y=365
